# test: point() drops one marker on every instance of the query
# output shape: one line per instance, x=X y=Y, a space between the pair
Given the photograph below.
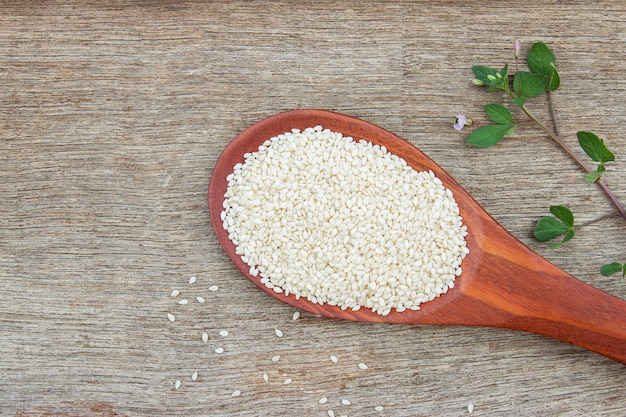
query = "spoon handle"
x=530 y=294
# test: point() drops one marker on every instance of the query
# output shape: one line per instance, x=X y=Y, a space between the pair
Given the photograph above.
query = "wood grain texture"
x=112 y=116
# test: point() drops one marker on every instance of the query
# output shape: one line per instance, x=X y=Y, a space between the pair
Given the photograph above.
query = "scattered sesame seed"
x=379 y=408
x=175 y=293
x=296 y=315
x=323 y=400
x=266 y=378
x=205 y=337
x=288 y=381
x=236 y=393
x=470 y=408
x=214 y=288
x=200 y=299
x=194 y=376
x=362 y=366
x=334 y=359
x=275 y=358
x=330 y=413
x=171 y=317
x=345 y=402
x=183 y=302
x=177 y=384
x=219 y=350
x=192 y=280
x=279 y=333
x=224 y=333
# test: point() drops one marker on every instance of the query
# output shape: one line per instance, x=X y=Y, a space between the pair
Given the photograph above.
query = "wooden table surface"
x=112 y=116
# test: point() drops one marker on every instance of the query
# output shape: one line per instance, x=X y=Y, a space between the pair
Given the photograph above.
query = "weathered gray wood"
x=112 y=115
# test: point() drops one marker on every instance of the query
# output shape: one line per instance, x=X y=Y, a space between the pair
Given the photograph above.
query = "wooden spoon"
x=504 y=283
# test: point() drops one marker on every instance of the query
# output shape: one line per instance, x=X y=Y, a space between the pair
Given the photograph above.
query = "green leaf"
x=541 y=60
x=519 y=101
x=487 y=136
x=504 y=72
x=554 y=80
x=564 y=214
x=567 y=237
x=499 y=114
x=594 y=176
x=613 y=268
x=529 y=85
x=481 y=72
x=548 y=228
x=594 y=147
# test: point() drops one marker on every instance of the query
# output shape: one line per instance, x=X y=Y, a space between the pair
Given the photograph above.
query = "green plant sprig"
x=543 y=78
x=548 y=228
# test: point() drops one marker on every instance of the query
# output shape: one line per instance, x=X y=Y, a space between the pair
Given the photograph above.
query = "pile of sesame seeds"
x=344 y=222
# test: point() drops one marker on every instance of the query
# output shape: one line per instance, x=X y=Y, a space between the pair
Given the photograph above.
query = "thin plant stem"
x=599 y=219
x=555 y=125
x=579 y=161
x=489 y=122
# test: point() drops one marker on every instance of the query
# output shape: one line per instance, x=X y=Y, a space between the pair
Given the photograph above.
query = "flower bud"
x=477 y=82
x=491 y=77
x=517 y=47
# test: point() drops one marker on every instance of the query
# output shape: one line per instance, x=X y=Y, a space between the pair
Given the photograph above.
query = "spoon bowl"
x=504 y=283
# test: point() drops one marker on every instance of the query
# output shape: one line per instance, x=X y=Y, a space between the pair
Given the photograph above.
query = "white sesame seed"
x=192 y=280
x=296 y=315
x=214 y=288
x=288 y=381
x=194 y=376
x=266 y=377
x=379 y=408
x=205 y=337
x=334 y=359
x=330 y=413
x=175 y=293
x=279 y=333
x=171 y=317
x=275 y=358
x=224 y=333
x=362 y=366
x=323 y=400
x=236 y=393
x=200 y=299
x=183 y=302
x=219 y=350
x=177 y=384
x=345 y=402
x=470 y=408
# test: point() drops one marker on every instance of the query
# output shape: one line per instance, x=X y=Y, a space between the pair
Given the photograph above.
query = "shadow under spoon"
x=504 y=283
